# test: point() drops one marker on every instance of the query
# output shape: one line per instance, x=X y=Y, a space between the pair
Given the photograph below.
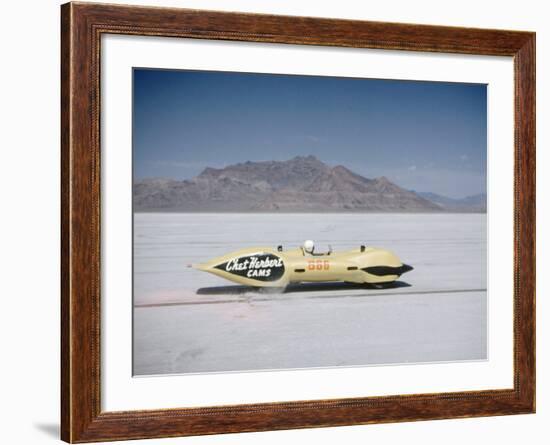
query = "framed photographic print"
x=276 y=222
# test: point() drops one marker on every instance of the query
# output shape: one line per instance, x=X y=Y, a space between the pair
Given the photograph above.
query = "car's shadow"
x=302 y=287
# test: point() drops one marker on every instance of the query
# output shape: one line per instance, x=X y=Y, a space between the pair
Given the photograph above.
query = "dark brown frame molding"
x=82 y=25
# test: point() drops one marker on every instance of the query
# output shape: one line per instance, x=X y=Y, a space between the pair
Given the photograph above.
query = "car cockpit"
x=309 y=249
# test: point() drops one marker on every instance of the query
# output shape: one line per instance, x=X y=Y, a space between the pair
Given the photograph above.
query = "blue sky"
x=424 y=136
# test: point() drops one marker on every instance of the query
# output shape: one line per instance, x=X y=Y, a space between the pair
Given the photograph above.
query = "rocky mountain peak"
x=308 y=158
x=300 y=184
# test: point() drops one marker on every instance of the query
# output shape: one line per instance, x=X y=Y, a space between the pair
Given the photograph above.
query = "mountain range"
x=474 y=203
x=300 y=184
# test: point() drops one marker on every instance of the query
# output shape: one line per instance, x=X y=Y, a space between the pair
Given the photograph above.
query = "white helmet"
x=309 y=245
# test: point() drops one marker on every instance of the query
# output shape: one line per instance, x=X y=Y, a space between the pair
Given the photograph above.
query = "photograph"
x=287 y=222
x=280 y=218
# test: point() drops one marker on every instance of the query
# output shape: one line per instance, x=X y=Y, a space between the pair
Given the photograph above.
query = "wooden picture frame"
x=82 y=25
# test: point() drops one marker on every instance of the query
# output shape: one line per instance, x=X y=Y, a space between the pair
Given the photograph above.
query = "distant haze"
x=423 y=136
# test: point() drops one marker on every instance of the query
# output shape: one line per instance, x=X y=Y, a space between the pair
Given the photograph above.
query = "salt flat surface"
x=191 y=321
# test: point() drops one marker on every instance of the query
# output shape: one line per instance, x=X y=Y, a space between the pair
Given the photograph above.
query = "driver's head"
x=309 y=245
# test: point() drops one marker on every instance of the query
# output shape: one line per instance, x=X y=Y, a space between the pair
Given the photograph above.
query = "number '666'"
x=318 y=265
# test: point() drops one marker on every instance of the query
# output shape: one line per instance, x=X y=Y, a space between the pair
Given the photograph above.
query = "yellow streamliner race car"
x=268 y=267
